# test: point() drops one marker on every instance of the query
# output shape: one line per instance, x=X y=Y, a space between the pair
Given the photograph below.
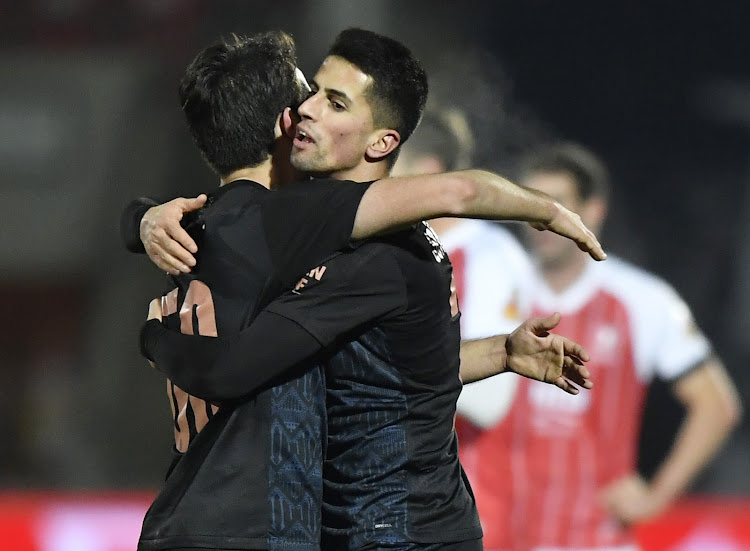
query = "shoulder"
x=318 y=185
x=640 y=289
x=369 y=260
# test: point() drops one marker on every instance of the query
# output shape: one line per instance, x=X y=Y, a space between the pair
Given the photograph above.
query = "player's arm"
x=347 y=293
x=682 y=354
x=712 y=409
x=466 y=194
x=531 y=351
x=224 y=368
x=386 y=205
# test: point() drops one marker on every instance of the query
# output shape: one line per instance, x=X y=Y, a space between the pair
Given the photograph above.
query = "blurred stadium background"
x=89 y=118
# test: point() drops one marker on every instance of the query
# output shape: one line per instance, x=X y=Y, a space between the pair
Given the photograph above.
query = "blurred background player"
x=490 y=266
x=636 y=328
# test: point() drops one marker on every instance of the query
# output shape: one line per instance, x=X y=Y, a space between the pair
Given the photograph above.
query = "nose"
x=309 y=108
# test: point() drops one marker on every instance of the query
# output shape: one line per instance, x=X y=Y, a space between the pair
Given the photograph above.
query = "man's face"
x=336 y=121
x=549 y=248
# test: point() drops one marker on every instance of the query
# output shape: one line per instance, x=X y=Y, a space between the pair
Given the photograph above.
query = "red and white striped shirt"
x=538 y=463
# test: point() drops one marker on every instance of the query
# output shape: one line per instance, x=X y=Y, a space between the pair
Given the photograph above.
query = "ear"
x=289 y=120
x=383 y=143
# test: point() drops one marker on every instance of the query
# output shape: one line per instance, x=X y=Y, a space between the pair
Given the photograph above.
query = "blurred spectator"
x=556 y=471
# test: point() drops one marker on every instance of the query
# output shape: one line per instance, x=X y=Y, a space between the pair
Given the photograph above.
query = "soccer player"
x=635 y=327
x=392 y=476
x=248 y=473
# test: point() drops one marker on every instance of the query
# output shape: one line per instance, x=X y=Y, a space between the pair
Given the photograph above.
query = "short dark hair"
x=444 y=133
x=398 y=92
x=587 y=170
x=233 y=92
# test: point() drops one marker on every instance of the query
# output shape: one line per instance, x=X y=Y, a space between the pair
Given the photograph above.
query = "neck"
x=262 y=173
x=559 y=276
x=364 y=172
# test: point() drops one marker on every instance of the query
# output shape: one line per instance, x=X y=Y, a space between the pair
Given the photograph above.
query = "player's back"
x=392 y=472
x=249 y=475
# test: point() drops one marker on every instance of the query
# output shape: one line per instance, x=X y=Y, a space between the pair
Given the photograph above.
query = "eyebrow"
x=332 y=91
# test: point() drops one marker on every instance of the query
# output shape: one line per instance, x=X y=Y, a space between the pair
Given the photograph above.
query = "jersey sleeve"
x=668 y=341
x=681 y=345
x=345 y=293
x=307 y=221
x=130 y=223
x=224 y=368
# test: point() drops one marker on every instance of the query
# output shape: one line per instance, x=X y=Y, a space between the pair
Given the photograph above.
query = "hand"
x=167 y=244
x=154 y=312
x=534 y=352
x=568 y=224
x=630 y=500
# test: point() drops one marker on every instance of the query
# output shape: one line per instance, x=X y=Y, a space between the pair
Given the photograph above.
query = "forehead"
x=338 y=74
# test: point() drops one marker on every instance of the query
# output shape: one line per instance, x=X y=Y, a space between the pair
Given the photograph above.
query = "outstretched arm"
x=531 y=351
x=387 y=204
x=466 y=194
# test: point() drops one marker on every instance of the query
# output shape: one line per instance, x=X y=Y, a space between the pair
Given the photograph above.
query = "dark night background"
x=89 y=119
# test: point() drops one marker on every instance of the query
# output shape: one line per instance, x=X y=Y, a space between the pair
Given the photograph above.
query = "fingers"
x=166 y=261
x=572 y=348
x=570 y=225
x=540 y=326
x=567 y=386
x=167 y=243
x=592 y=246
x=574 y=371
x=192 y=203
x=176 y=242
x=179 y=234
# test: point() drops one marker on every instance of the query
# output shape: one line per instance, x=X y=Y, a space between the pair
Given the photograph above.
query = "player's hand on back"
x=534 y=352
x=568 y=224
x=167 y=244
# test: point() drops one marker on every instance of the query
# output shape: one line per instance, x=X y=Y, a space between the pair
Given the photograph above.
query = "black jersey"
x=391 y=472
x=249 y=476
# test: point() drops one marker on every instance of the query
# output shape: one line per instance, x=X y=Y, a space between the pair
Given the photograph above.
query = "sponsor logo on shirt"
x=314 y=274
x=437 y=249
